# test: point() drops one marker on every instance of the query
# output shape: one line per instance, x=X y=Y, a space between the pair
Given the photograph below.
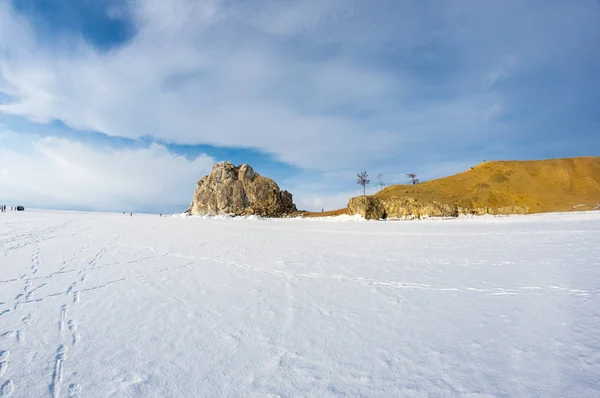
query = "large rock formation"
x=374 y=208
x=239 y=191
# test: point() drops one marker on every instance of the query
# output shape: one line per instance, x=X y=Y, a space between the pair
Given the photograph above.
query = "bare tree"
x=363 y=179
x=413 y=178
x=380 y=181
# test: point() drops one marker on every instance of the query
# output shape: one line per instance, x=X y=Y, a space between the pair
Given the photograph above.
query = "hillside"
x=542 y=185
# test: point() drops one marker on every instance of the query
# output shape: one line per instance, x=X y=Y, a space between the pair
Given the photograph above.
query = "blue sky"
x=123 y=105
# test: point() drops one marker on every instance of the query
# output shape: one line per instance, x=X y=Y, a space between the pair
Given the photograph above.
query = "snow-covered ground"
x=97 y=305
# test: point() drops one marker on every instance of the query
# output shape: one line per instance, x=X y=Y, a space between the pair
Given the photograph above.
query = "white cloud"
x=174 y=83
x=196 y=73
x=294 y=17
x=54 y=172
x=319 y=84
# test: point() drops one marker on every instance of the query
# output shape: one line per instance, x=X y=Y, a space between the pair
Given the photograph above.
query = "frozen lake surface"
x=97 y=305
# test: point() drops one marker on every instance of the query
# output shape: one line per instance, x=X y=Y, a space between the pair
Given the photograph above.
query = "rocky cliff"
x=239 y=191
x=374 y=208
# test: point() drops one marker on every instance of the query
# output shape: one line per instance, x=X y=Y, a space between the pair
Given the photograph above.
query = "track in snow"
x=193 y=307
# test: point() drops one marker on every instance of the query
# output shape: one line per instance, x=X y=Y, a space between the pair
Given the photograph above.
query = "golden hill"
x=542 y=185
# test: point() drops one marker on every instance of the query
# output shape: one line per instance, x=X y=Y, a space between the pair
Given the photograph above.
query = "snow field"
x=97 y=305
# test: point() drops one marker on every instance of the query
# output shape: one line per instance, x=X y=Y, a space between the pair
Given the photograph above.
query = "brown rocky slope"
x=498 y=187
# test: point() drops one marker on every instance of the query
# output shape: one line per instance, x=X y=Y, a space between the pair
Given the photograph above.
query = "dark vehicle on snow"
x=20 y=208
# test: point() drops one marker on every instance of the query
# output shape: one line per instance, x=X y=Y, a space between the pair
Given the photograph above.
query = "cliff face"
x=374 y=208
x=239 y=191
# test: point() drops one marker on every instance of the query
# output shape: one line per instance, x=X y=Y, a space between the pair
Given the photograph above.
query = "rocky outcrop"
x=368 y=207
x=239 y=191
x=373 y=208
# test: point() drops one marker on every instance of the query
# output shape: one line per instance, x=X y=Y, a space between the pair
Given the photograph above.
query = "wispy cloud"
x=54 y=172
x=172 y=83
x=494 y=111
x=500 y=71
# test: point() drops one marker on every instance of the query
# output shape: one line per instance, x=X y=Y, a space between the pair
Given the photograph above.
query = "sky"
x=111 y=105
